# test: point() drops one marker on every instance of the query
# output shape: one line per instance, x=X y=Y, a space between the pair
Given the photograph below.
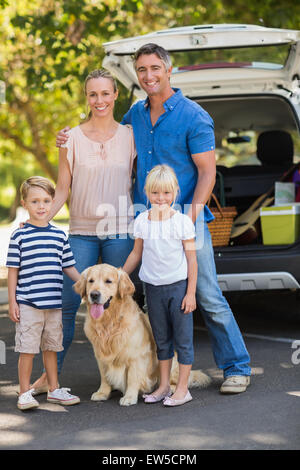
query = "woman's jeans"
x=228 y=345
x=87 y=250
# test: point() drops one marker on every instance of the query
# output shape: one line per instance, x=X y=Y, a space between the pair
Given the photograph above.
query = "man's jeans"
x=228 y=345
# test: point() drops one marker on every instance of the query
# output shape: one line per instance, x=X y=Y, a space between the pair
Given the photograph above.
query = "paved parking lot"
x=267 y=416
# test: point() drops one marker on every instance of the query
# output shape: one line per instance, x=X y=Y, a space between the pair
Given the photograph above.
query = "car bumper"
x=258 y=268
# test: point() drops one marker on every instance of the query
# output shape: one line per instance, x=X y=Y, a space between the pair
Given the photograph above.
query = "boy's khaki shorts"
x=38 y=329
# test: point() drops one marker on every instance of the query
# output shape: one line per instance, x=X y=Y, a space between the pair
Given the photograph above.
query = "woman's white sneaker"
x=26 y=401
x=62 y=397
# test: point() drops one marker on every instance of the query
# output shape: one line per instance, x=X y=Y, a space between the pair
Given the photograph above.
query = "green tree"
x=49 y=46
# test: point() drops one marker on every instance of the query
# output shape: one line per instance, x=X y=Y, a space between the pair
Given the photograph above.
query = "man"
x=169 y=128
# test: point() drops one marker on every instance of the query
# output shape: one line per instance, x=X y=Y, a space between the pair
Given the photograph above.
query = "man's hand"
x=62 y=137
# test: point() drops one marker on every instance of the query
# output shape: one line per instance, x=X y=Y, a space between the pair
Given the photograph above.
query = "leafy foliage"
x=49 y=46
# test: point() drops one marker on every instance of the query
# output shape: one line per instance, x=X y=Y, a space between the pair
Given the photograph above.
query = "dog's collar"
x=106 y=305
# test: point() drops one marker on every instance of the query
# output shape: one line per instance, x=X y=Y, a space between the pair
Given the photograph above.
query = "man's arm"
x=206 y=166
x=62 y=136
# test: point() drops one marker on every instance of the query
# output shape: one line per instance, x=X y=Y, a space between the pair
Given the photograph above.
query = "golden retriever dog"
x=121 y=336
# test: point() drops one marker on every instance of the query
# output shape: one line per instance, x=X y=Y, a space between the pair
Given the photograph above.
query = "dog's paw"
x=128 y=400
x=99 y=396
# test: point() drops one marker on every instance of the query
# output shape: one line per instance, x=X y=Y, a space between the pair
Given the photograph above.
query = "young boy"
x=38 y=254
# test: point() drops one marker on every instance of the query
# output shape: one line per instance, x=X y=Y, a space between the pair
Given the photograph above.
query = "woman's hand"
x=21 y=224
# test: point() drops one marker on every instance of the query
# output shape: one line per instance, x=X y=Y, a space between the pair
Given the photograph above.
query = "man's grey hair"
x=152 y=48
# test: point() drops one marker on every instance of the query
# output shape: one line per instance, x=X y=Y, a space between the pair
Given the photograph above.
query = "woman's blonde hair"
x=100 y=73
x=162 y=178
x=37 y=181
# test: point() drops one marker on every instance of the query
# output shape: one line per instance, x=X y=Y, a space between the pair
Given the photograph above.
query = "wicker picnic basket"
x=220 y=228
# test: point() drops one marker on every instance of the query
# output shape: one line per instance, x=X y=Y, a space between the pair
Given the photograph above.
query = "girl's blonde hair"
x=162 y=178
x=37 y=181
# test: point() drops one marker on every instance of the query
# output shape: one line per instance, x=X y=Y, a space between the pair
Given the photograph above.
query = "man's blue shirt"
x=183 y=130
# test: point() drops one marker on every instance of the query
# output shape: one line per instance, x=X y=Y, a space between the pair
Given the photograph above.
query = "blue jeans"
x=229 y=349
x=87 y=250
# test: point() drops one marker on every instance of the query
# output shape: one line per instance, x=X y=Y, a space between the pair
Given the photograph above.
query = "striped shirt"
x=40 y=254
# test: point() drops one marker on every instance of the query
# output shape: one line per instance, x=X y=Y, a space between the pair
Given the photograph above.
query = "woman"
x=96 y=164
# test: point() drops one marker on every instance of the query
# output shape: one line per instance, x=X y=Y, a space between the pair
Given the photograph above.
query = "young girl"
x=164 y=240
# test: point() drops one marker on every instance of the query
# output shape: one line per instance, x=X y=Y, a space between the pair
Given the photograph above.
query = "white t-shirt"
x=163 y=259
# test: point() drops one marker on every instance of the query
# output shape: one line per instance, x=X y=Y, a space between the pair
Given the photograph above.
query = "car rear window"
x=264 y=57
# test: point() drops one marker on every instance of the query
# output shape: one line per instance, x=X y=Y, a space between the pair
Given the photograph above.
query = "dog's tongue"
x=96 y=310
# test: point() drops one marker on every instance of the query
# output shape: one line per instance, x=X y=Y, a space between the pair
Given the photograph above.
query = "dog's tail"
x=198 y=379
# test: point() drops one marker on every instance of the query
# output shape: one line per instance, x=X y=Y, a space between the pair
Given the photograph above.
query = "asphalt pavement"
x=266 y=417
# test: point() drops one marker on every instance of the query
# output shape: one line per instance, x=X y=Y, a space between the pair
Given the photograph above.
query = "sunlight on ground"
x=215 y=373
x=10 y=437
x=8 y=420
x=294 y=394
x=286 y=365
x=266 y=438
x=15 y=438
x=53 y=407
x=3 y=315
x=96 y=439
x=11 y=423
x=9 y=390
x=257 y=370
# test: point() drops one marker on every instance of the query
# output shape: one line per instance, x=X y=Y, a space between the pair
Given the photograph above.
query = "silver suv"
x=248 y=78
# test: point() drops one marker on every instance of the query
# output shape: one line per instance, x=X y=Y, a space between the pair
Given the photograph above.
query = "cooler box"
x=280 y=224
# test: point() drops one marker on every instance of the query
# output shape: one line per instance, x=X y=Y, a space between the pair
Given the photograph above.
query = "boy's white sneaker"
x=62 y=397
x=26 y=401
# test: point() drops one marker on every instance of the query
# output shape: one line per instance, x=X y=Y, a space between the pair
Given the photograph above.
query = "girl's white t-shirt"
x=163 y=259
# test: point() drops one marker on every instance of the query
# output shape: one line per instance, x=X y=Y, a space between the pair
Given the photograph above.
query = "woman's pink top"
x=101 y=182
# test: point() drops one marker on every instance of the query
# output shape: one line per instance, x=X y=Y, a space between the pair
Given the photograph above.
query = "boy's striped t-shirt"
x=40 y=254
